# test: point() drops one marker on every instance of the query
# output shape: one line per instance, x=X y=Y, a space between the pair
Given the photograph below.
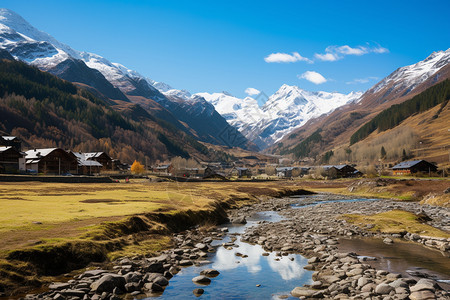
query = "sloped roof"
x=82 y=161
x=88 y=155
x=282 y=169
x=38 y=153
x=163 y=167
x=2 y=148
x=407 y=164
x=89 y=163
x=9 y=138
x=338 y=167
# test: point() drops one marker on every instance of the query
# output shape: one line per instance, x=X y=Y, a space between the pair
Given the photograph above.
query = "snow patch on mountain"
x=409 y=77
x=289 y=108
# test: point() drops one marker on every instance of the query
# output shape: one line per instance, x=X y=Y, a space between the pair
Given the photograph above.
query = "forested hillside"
x=392 y=116
x=46 y=111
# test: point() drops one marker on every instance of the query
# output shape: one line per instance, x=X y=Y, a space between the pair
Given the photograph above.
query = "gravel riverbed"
x=309 y=230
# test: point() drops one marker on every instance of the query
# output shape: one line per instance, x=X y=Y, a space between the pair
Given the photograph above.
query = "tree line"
x=394 y=115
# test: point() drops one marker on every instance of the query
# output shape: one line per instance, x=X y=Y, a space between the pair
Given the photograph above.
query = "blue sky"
x=214 y=46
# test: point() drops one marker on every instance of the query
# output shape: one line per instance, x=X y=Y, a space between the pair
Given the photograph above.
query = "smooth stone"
x=108 y=282
x=383 y=289
x=422 y=295
x=388 y=241
x=153 y=287
x=210 y=272
x=201 y=279
x=422 y=287
x=301 y=291
x=198 y=292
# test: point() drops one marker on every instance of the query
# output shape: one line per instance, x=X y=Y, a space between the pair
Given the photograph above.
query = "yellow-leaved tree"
x=137 y=168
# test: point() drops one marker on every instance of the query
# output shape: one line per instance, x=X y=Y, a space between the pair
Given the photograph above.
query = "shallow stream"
x=269 y=277
x=240 y=276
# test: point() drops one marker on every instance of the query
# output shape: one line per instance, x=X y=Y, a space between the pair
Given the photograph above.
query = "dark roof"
x=338 y=167
x=241 y=169
x=408 y=164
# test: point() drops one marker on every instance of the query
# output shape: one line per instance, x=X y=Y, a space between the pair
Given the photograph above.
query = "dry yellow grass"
x=396 y=221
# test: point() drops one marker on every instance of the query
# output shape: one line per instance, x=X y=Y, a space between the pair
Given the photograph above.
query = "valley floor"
x=49 y=229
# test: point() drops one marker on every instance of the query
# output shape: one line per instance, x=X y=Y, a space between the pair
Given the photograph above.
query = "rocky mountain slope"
x=112 y=80
x=289 y=108
x=336 y=128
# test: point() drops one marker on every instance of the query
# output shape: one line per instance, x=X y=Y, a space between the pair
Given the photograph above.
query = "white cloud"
x=285 y=58
x=313 y=77
x=252 y=92
x=380 y=50
x=333 y=53
x=347 y=50
x=326 y=57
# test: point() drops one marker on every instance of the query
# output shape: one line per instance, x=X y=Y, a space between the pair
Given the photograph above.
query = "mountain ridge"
x=338 y=126
x=111 y=79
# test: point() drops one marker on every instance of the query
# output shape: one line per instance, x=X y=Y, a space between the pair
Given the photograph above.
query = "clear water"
x=239 y=276
x=401 y=257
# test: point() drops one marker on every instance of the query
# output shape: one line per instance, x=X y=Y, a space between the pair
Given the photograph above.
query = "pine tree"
x=383 y=152
x=404 y=156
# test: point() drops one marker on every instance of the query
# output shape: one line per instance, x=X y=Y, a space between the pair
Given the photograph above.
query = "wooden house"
x=12 y=141
x=100 y=157
x=11 y=160
x=164 y=169
x=414 y=166
x=241 y=172
x=284 y=172
x=84 y=166
x=50 y=161
x=341 y=171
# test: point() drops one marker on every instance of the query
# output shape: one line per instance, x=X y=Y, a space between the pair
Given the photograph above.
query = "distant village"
x=56 y=161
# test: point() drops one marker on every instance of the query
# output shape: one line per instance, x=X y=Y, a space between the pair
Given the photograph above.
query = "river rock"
x=185 y=262
x=239 y=220
x=198 y=292
x=107 y=283
x=201 y=279
x=154 y=287
x=210 y=272
x=59 y=286
x=383 y=289
x=422 y=295
x=422 y=287
x=388 y=241
x=302 y=292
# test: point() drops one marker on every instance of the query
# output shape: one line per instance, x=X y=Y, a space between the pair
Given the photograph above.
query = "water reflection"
x=286 y=268
x=252 y=277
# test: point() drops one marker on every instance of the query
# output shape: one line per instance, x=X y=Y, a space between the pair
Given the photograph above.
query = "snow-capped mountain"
x=290 y=107
x=113 y=80
x=406 y=79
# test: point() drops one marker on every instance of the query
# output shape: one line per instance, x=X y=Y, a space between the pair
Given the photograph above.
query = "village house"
x=241 y=172
x=11 y=160
x=12 y=141
x=341 y=171
x=50 y=161
x=164 y=169
x=84 y=166
x=414 y=167
x=284 y=172
x=213 y=173
x=188 y=172
x=104 y=159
